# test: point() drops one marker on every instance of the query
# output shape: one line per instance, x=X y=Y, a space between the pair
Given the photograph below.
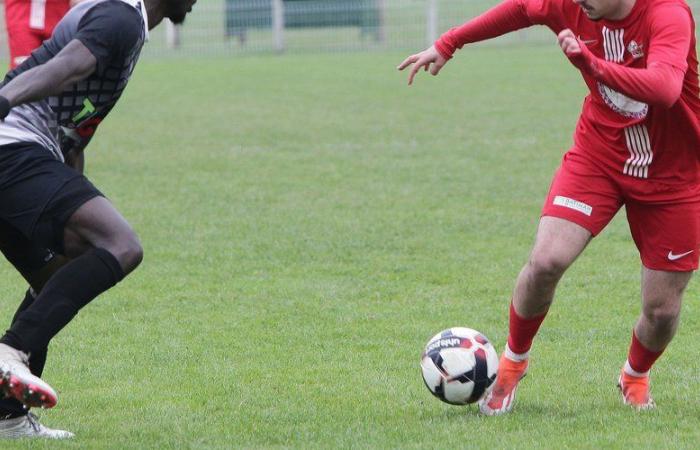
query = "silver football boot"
x=29 y=427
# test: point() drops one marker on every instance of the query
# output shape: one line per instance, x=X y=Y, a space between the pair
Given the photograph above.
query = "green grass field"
x=308 y=223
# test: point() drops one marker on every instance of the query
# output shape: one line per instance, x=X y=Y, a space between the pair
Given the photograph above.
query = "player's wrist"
x=4 y=107
x=589 y=60
x=444 y=49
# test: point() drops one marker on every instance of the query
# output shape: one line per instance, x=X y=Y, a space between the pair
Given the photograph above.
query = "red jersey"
x=641 y=118
x=29 y=23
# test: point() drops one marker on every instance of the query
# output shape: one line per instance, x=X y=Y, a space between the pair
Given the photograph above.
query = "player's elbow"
x=668 y=98
x=670 y=85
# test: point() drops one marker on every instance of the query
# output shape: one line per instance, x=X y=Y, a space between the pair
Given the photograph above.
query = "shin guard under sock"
x=69 y=289
x=522 y=331
x=640 y=359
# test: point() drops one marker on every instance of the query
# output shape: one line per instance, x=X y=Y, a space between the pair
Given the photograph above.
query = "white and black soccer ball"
x=459 y=366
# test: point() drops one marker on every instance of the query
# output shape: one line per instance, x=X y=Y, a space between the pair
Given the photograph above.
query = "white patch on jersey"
x=570 y=203
x=622 y=104
x=37 y=14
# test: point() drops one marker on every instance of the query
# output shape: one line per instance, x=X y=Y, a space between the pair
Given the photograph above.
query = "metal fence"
x=234 y=26
x=259 y=26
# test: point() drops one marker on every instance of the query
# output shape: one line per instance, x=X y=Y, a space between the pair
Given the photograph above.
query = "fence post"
x=278 y=24
x=381 y=33
x=172 y=34
x=432 y=25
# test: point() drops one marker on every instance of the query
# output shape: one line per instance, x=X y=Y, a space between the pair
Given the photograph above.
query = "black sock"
x=9 y=407
x=28 y=300
x=37 y=359
x=73 y=286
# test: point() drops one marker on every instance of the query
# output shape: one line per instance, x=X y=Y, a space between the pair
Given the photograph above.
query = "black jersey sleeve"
x=110 y=30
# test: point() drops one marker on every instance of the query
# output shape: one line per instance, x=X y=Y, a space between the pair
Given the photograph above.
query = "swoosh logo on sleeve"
x=587 y=41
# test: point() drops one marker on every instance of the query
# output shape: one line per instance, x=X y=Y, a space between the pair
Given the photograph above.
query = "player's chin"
x=178 y=17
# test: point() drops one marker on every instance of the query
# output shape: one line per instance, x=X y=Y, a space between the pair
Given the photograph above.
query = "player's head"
x=176 y=10
x=605 y=9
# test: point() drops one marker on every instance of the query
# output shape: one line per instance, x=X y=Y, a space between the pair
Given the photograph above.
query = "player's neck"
x=623 y=9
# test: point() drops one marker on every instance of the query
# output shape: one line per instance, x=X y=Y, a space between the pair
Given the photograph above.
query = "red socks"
x=522 y=331
x=640 y=359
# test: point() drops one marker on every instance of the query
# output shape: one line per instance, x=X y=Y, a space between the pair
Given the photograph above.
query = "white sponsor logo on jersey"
x=622 y=104
x=570 y=203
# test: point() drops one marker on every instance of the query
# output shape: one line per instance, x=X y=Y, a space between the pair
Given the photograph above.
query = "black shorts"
x=39 y=193
x=22 y=253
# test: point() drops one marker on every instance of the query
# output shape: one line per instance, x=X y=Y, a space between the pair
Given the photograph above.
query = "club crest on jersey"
x=636 y=50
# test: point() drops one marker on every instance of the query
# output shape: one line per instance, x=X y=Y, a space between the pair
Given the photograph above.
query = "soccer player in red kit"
x=637 y=144
x=31 y=22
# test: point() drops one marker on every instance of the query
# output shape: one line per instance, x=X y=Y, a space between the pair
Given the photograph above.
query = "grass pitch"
x=308 y=223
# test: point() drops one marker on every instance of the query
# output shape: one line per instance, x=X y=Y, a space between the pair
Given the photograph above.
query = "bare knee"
x=661 y=314
x=547 y=269
x=129 y=252
x=127 y=249
x=100 y=225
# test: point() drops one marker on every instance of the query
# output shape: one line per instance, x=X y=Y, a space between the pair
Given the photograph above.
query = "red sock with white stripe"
x=521 y=332
x=640 y=359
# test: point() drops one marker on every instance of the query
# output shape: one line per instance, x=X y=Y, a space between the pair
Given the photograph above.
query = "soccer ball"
x=459 y=366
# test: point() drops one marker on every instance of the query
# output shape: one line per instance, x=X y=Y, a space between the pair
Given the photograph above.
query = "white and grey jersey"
x=114 y=31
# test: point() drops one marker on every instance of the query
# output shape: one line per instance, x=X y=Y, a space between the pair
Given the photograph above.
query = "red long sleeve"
x=661 y=82
x=501 y=19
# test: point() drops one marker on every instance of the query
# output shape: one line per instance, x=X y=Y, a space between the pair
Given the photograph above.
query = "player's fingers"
x=407 y=62
x=572 y=47
x=416 y=67
x=436 y=69
x=562 y=44
x=567 y=44
x=566 y=33
x=412 y=75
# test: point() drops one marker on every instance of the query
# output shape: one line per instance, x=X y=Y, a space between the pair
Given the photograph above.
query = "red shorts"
x=666 y=232
x=29 y=23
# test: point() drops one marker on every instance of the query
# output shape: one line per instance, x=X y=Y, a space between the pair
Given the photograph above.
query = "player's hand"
x=568 y=43
x=577 y=52
x=424 y=60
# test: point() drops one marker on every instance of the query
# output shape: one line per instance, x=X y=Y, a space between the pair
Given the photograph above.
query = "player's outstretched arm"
x=429 y=59
x=510 y=15
x=72 y=64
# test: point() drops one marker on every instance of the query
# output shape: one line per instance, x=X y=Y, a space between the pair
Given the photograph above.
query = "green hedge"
x=244 y=14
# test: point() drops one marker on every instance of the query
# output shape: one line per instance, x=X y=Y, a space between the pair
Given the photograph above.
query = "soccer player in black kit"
x=50 y=107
